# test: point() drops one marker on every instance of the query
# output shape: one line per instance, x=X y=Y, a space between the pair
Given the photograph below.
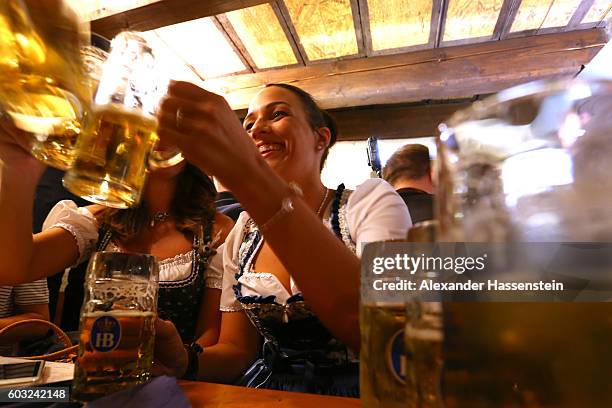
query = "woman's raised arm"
x=23 y=257
x=211 y=137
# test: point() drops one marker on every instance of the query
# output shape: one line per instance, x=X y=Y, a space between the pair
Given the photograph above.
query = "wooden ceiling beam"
x=164 y=13
x=444 y=73
x=394 y=121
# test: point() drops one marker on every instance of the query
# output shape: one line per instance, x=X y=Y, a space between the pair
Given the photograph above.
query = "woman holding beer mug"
x=176 y=222
x=292 y=263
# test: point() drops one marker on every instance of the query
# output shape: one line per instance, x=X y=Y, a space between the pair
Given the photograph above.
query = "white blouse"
x=374 y=212
x=83 y=226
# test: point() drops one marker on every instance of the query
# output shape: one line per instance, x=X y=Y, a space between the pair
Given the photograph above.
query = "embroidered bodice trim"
x=252 y=242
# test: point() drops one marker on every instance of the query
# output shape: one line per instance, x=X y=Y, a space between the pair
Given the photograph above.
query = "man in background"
x=408 y=170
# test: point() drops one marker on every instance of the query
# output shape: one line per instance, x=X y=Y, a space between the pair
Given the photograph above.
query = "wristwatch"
x=193 y=356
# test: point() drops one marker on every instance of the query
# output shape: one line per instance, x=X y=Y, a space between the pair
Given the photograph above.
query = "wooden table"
x=216 y=395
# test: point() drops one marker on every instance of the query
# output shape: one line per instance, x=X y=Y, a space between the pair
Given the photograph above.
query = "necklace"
x=159 y=217
x=323 y=201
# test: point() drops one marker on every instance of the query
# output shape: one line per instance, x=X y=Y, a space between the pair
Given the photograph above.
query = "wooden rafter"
x=445 y=73
x=232 y=38
x=437 y=25
x=581 y=11
x=283 y=16
x=358 y=22
x=364 y=16
x=506 y=17
x=164 y=13
x=442 y=25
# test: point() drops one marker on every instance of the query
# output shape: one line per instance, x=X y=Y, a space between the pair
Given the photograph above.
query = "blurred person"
x=408 y=170
x=49 y=192
x=176 y=222
x=22 y=302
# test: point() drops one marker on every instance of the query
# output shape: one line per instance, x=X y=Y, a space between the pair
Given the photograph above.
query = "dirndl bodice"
x=299 y=353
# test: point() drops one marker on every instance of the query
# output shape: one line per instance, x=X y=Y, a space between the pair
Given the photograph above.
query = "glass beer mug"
x=119 y=143
x=43 y=88
x=382 y=357
x=117 y=328
x=530 y=164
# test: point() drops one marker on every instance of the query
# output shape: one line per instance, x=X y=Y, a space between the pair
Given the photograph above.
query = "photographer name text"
x=469 y=285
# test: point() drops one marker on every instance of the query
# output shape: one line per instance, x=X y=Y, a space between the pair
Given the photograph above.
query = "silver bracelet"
x=286 y=207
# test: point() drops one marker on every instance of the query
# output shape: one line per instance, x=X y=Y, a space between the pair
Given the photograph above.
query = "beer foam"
x=131 y=115
x=110 y=294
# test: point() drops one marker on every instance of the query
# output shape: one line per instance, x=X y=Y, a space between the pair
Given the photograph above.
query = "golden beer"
x=527 y=354
x=383 y=364
x=115 y=352
x=43 y=89
x=111 y=164
x=424 y=353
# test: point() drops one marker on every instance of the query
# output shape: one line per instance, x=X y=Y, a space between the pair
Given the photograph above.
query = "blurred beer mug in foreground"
x=43 y=88
x=529 y=164
x=424 y=354
x=424 y=231
x=118 y=145
x=94 y=56
x=383 y=365
x=117 y=324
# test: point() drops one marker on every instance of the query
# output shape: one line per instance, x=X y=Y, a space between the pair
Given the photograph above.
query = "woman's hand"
x=207 y=131
x=170 y=357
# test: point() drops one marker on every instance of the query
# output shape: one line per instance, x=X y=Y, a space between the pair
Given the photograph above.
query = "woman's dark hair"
x=192 y=207
x=317 y=117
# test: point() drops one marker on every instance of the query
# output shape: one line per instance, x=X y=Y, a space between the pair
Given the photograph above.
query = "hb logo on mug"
x=105 y=334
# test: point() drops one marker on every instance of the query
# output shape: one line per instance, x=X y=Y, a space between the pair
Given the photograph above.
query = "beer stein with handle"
x=530 y=164
x=117 y=328
x=119 y=144
x=43 y=87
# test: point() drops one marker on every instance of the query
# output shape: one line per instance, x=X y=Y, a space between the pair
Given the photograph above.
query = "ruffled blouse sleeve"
x=375 y=212
x=79 y=222
x=229 y=303
x=214 y=272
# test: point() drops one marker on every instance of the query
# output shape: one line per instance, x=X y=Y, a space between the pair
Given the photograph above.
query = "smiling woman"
x=291 y=266
x=276 y=110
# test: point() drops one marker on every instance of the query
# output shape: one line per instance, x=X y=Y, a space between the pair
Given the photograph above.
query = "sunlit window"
x=348 y=161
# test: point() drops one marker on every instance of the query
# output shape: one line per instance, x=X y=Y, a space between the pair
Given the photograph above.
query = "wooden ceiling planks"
x=535 y=16
x=471 y=19
x=288 y=28
x=185 y=39
x=445 y=73
x=531 y=14
x=598 y=11
x=396 y=24
x=560 y=13
x=325 y=28
x=261 y=32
